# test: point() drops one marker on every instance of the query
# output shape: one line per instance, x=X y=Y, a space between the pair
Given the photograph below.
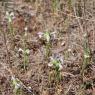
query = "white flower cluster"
x=56 y=61
x=45 y=35
x=10 y=16
x=15 y=83
x=27 y=51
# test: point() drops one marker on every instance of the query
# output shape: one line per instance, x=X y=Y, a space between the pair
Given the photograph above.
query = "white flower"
x=63 y=43
x=60 y=67
x=69 y=50
x=29 y=87
x=40 y=34
x=86 y=56
x=26 y=28
x=50 y=64
x=57 y=61
x=51 y=58
x=85 y=35
x=61 y=60
x=47 y=36
x=7 y=13
x=10 y=16
x=27 y=51
x=54 y=35
x=12 y=78
x=17 y=86
x=15 y=82
x=9 y=19
x=20 y=50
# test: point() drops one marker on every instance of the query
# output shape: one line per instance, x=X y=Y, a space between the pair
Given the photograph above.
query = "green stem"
x=11 y=29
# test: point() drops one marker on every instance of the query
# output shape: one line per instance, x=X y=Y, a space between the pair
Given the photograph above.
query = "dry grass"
x=25 y=53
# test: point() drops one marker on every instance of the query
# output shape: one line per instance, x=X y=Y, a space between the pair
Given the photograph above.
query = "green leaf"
x=47 y=36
